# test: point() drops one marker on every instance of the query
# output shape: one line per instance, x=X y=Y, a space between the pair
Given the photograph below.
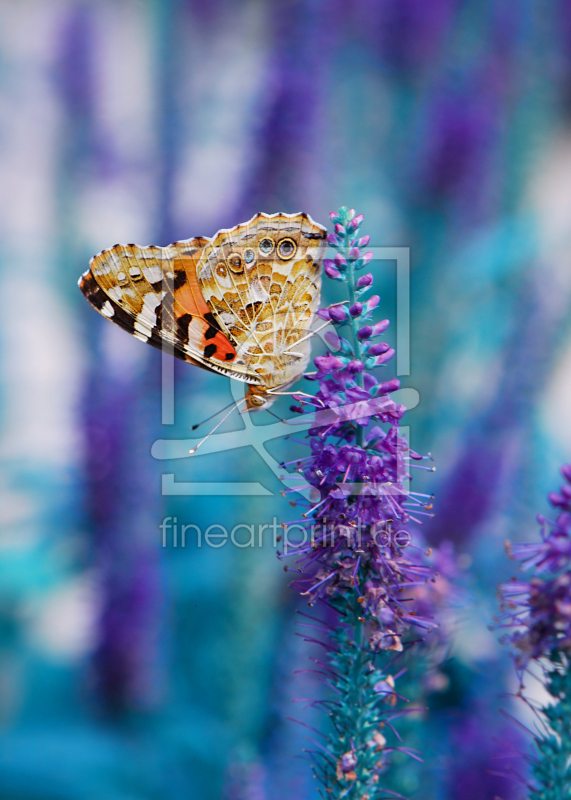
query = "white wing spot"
x=121 y=276
x=107 y=309
x=134 y=272
x=153 y=274
x=115 y=294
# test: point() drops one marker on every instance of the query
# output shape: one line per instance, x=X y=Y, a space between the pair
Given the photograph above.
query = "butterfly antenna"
x=234 y=406
x=198 y=424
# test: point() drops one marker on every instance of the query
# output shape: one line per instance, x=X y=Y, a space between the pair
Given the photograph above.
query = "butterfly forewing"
x=153 y=293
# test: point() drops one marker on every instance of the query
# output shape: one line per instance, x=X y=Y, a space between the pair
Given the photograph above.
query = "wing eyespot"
x=221 y=270
x=287 y=248
x=266 y=245
x=235 y=262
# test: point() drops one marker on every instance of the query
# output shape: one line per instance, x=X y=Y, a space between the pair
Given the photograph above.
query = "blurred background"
x=130 y=671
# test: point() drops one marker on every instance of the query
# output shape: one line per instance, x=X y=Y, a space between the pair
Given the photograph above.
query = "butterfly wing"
x=262 y=281
x=153 y=293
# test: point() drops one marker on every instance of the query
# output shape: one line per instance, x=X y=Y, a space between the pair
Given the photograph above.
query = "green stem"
x=354 y=329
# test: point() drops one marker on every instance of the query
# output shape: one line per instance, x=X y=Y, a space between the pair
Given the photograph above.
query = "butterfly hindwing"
x=262 y=281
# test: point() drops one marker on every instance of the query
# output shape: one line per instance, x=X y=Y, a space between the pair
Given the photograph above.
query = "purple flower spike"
x=566 y=472
x=338 y=313
x=340 y=229
x=364 y=332
x=364 y=241
x=333 y=240
x=355 y=564
x=365 y=280
x=331 y=272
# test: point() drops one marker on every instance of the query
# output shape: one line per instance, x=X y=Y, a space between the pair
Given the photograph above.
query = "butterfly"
x=240 y=303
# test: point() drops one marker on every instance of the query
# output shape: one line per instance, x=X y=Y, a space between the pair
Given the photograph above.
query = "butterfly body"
x=240 y=304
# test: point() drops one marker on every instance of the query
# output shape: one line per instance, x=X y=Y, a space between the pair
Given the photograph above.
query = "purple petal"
x=364 y=241
x=338 y=313
x=331 y=272
x=355 y=366
x=356 y=309
x=382 y=359
x=372 y=303
x=379 y=327
x=365 y=280
x=378 y=349
x=557 y=500
x=364 y=332
x=388 y=386
x=332 y=339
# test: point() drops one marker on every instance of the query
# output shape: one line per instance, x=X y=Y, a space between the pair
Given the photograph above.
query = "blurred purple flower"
x=539 y=609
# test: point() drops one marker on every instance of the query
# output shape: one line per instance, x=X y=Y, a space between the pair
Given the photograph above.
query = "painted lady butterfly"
x=240 y=304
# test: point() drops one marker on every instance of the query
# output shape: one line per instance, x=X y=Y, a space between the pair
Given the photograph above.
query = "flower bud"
x=356 y=309
x=365 y=280
x=355 y=366
x=340 y=229
x=381 y=326
x=331 y=272
x=364 y=332
x=338 y=313
x=378 y=349
x=364 y=241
